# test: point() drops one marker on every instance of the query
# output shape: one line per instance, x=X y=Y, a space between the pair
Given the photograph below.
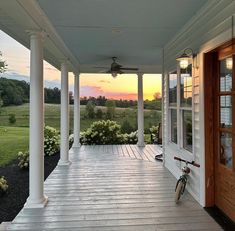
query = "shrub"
x=103 y=132
x=3 y=185
x=51 y=141
x=12 y=118
x=23 y=158
x=153 y=129
x=50 y=131
x=71 y=139
x=131 y=138
x=153 y=132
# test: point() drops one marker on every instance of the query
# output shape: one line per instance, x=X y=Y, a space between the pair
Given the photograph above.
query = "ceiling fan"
x=116 y=68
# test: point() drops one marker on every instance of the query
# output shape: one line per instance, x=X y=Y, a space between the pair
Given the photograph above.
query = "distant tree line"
x=154 y=104
x=15 y=92
x=101 y=101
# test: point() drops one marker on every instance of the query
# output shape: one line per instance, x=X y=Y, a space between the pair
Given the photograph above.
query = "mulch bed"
x=18 y=180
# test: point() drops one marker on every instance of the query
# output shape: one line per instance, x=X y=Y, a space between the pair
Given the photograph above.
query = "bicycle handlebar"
x=192 y=162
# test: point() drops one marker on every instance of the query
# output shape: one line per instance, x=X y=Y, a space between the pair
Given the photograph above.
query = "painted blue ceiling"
x=133 y=30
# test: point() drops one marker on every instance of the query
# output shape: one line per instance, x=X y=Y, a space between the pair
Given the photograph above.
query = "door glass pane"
x=226 y=67
x=187 y=130
x=173 y=125
x=173 y=89
x=226 y=149
x=226 y=111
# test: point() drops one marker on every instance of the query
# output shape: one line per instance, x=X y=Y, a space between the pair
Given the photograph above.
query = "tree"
x=110 y=109
x=157 y=95
x=1 y=104
x=3 y=65
x=126 y=127
x=99 y=114
x=12 y=118
x=90 y=109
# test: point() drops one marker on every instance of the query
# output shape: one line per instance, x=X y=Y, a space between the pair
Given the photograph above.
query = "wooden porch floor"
x=114 y=187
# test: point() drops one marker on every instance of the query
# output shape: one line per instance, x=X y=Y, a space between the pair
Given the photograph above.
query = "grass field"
x=14 y=138
x=52 y=116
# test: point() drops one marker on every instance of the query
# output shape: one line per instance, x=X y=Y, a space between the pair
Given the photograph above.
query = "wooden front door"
x=224 y=134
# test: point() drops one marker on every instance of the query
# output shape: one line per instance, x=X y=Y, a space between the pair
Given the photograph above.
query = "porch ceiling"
x=94 y=31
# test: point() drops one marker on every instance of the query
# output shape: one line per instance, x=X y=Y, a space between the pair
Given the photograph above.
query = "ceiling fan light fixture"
x=114 y=74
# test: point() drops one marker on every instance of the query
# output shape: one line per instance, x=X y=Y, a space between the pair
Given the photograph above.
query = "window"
x=173 y=106
x=173 y=89
x=186 y=107
x=180 y=108
x=186 y=87
x=173 y=126
x=187 y=130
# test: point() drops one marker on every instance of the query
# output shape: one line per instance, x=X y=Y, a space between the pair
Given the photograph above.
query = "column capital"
x=64 y=62
x=76 y=74
x=35 y=34
x=140 y=74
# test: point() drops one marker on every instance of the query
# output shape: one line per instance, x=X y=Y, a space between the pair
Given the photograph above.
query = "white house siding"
x=209 y=28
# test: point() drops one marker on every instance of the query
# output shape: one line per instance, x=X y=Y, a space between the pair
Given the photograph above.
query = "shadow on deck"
x=114 y=187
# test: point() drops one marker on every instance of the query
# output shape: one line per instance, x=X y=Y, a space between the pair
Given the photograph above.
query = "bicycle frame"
x=183 y=178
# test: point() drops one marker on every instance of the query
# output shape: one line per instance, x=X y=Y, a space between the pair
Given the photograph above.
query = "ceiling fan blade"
x=101 y=67
x=129 y=68
x=102 y=71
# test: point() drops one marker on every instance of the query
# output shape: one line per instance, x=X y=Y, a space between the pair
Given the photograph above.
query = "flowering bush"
x=153 y=132
x=103 y=132
x=153 y=129
x=51 y=141
x=50 y=131
x=129 y=138
x=3 y=185
x=23 y=158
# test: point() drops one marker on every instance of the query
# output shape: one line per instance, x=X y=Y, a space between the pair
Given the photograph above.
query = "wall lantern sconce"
x=185 y=58
x=229 y=63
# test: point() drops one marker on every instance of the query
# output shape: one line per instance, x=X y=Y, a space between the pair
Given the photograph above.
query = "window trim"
x=184 y=152
x=170 y=107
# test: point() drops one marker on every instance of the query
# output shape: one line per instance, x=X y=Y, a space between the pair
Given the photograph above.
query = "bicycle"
x=182 y=181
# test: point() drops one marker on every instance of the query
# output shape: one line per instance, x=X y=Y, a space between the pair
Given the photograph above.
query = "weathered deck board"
x=114 y=187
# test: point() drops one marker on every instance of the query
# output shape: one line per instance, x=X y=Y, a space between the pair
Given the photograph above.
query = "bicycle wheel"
x=179 y=190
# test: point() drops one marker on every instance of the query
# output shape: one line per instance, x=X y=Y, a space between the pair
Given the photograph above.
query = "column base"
x=76 y=145
x=30 y=204
x=141 y=144
x=64 y=163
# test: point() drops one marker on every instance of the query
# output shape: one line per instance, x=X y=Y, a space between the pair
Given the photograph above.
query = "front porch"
x=113 y=187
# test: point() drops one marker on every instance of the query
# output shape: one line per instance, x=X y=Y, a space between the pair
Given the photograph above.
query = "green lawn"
x=12 y=140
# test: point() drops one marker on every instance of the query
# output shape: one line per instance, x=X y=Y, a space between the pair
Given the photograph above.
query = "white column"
x=64 y=117
x=140 y=111
x=76 y=130
x=36 y=199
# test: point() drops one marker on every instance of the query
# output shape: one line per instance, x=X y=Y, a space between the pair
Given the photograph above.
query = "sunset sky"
x=123 y=87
